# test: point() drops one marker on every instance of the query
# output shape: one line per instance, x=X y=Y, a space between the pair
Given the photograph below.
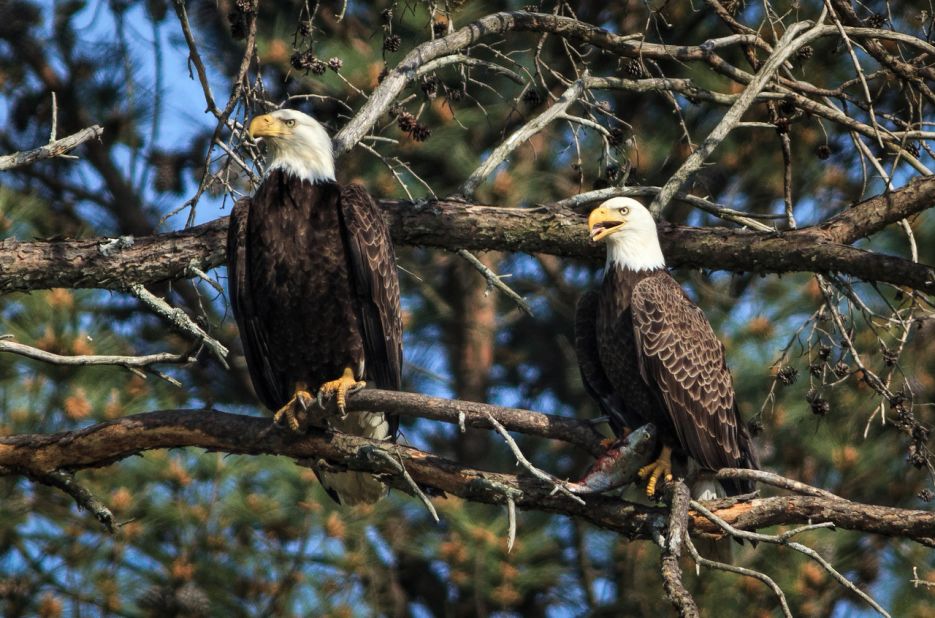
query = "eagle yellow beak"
x=266 y=126
x=604 y=221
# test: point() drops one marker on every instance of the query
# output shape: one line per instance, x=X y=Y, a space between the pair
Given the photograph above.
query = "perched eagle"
x=313 y=287
x=647 y=354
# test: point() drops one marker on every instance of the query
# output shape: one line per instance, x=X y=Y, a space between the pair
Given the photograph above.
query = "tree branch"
x=108 y=442
x=50 y=150
x=452 y=224
x=672 y=551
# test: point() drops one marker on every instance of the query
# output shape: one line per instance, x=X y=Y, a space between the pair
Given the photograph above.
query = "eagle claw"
x=340 y=389
x=299 y=403
x=662 y=467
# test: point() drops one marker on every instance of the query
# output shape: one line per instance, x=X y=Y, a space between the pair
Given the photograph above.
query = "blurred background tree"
x=209 y=534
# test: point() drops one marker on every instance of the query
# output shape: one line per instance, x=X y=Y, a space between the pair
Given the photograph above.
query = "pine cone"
x=318 y=66
x=406 y=122
x=421 y=133
x=787 y=375
x=392 y=43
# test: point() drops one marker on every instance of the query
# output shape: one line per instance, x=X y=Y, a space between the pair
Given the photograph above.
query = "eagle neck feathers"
x=635 y=250
x=311 y=159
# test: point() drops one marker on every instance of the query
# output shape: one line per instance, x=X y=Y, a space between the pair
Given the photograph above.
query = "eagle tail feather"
x=350 y=488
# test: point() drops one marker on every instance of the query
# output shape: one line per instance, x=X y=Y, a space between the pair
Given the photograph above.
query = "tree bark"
x=116 y=263
x=108 y=442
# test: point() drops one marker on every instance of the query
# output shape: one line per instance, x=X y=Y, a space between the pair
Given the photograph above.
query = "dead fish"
x=620 y=464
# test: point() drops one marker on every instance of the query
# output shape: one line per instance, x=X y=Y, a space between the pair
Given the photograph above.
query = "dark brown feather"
x=658 y=360
x=589 y=362
x=681 y=354
x=313 y=287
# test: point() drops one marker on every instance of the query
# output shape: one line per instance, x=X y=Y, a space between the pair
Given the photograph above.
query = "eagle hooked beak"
x=603 y=222
x=267 y=126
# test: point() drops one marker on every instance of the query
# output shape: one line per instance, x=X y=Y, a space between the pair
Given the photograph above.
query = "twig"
x=770 y=478
x=730 y=568
x=92 y=359
x=784 y=540
x=194 y=270
x=789 y=43
x=518 y=137
x=444 y=61
x=194 y=56
x=53 y=131
x=916 y=582
x=495 y=280
x=54 y=149
x=67 y=483
x=557 y=484
x=180 y=320
x=717 y=210
x=401 y=468
x=511 y=517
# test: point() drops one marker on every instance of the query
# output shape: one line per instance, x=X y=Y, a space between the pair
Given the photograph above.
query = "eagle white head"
x=629 y=230
x=296 y=143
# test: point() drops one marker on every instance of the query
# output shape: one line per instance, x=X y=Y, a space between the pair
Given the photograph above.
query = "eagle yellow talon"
x=301 y=400
x=339 y=389
x=661 y=467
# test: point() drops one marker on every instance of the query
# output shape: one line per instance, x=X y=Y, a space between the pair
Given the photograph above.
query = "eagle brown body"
x=314 y=290
x=647 y=354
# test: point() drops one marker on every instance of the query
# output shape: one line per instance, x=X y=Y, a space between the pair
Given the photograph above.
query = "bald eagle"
x=313 y=287
x=647 y=354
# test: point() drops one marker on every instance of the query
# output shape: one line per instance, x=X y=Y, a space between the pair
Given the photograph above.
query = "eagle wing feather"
x=374 y=281
x=595 y=380
x=270 y=385
x=680 y=353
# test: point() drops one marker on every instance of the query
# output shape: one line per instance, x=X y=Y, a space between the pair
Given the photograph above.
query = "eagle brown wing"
x=595 y=380
x=374 y=281
x=682 y=356
x=270 y=385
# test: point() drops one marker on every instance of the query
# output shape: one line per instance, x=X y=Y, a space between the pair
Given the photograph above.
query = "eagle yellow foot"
x=662 y=467
x=339 y=389
x=299 y=403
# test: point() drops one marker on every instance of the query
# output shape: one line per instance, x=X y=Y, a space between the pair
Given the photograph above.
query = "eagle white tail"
x=721 y=550
x=358 y=487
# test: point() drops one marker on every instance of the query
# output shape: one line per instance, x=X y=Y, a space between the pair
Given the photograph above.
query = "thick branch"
x=112 y=441
x=104 y=263
x=454 y=411
x=678 y=595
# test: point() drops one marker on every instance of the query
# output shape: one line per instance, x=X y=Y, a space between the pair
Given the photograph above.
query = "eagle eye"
x=290 y=123
x=625 y=210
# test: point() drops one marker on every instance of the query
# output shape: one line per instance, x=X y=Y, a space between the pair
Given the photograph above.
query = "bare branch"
x=520 y=136
x=67 y=483
x=790 y=42
x=180 y=320
x=521 y=460
x=93 y=359
x=730 y=568
x=496 y=281
x=784 y=540
x=53 y=149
